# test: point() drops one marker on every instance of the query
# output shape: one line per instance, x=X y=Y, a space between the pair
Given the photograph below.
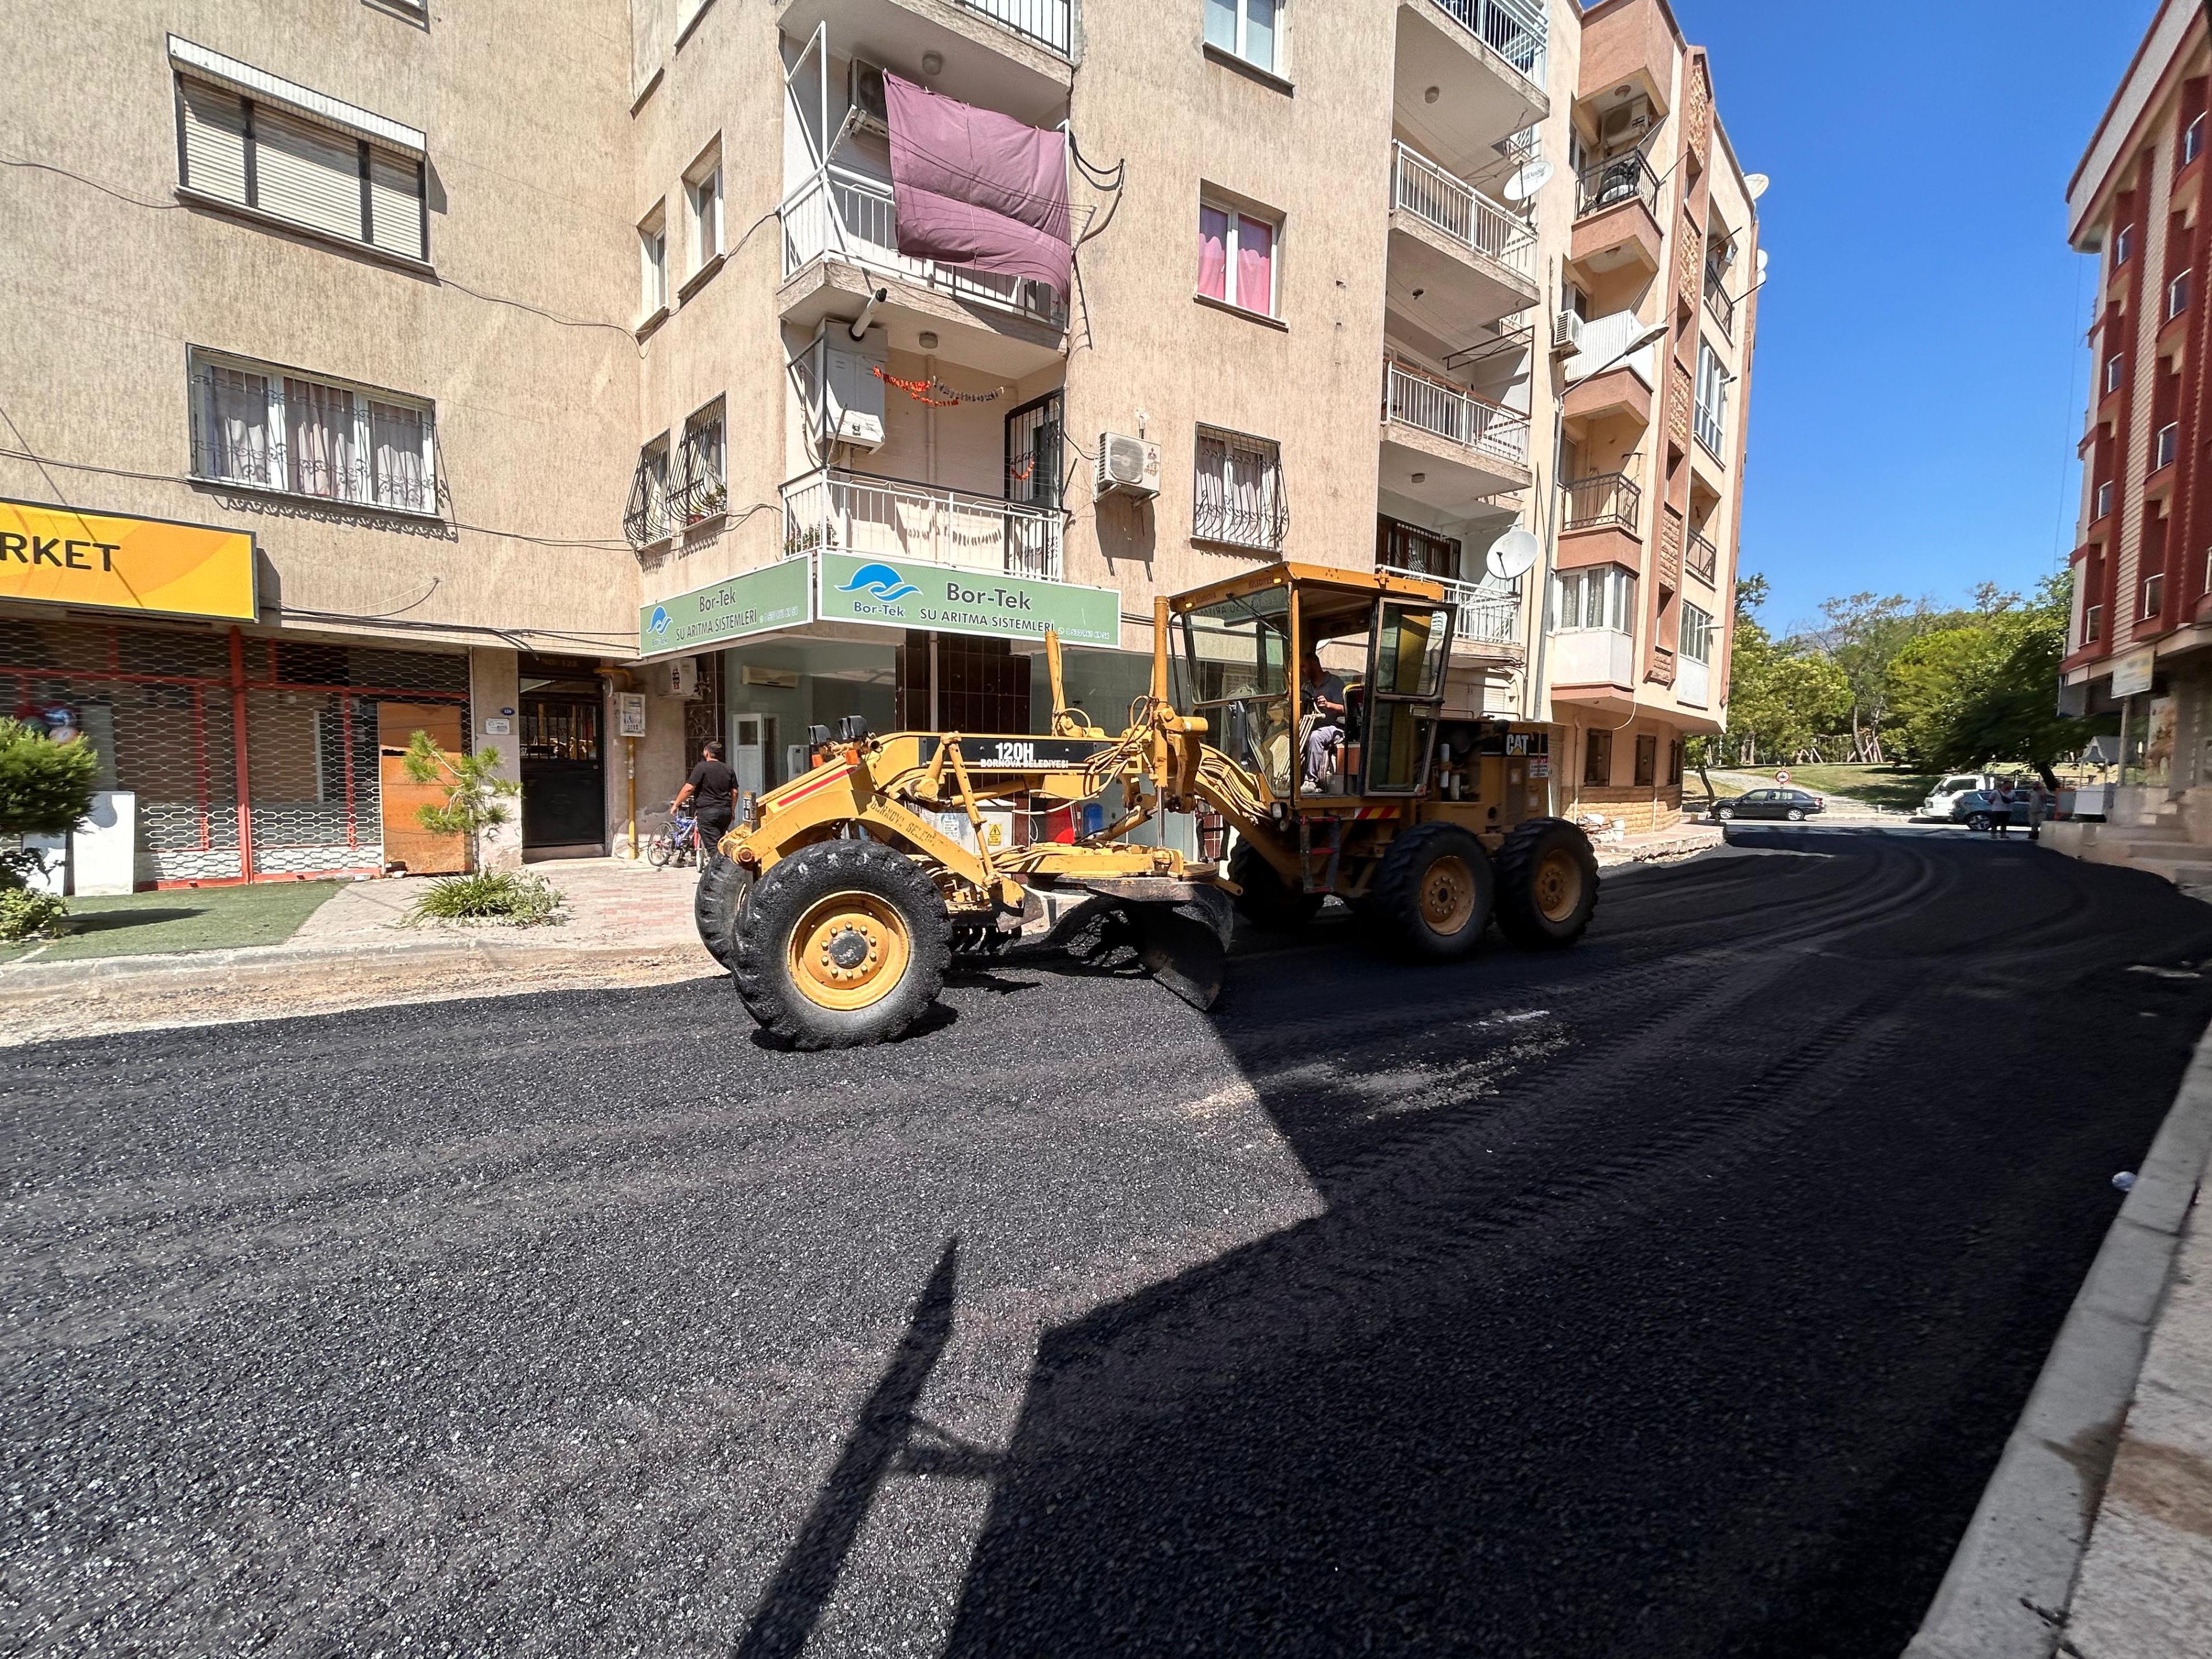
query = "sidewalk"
x=2094 y=1540
x=628 y=925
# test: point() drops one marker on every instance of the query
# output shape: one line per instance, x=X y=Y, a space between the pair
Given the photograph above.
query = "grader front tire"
x=842 y=944
x=714 y=905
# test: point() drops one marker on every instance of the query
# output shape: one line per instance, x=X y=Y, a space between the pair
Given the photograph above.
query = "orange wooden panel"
x=405 y=840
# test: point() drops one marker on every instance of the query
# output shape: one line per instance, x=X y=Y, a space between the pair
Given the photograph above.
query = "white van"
x=1944 y=795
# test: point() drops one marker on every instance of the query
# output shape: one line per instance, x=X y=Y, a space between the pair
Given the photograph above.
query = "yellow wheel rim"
x=1447 y=895
x=1558 y=882
x=850 y=951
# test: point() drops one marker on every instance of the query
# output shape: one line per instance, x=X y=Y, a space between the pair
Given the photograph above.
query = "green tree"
x=1782 y=695
x=46 y=789
x=1863 y=634
x=476 y=795
x=1988 y=691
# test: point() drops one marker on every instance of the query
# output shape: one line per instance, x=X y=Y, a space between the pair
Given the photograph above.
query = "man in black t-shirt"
x=712 y=790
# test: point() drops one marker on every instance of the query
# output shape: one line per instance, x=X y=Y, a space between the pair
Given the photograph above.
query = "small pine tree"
x=46 y=789
x=475 y=796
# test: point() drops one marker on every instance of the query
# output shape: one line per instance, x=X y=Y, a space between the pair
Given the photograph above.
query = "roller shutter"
x=307 y=173
x=214 y=160
x=395 y=200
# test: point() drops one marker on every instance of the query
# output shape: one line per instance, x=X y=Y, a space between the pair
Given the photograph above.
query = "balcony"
x=1011 y=55
x=1486 y=623
x=1703 y=559
x=841 y=244
x=1445 y=447
x=1693 y=683
x=1604 y=500
x=1593 y=656
x=893 y=518
x=1467 y=73
x=1472 y=261
x=1617 y=221
x=1718 y=300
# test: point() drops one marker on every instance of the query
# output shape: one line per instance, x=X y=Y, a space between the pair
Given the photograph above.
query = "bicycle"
x=676 y=842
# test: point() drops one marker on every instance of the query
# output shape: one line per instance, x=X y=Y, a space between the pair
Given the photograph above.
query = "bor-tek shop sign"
x=772 y=596
x=905 y=593
x=58 y=555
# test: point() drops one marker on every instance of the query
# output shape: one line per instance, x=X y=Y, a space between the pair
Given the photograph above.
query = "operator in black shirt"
x=715 y=789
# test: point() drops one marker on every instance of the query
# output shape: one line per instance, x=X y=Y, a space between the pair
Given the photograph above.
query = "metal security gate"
x=251 y=758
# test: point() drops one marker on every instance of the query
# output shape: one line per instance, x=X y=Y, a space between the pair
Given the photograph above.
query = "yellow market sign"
x=58 y=555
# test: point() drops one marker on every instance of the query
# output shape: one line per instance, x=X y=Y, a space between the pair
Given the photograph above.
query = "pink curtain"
x=1255 y=254
x=1213 y=252
x=973 y=187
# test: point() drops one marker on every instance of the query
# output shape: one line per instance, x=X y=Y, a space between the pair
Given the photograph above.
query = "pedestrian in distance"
x=712 y=790
x=2001 y=819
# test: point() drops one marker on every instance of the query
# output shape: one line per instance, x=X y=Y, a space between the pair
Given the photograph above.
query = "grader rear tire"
x=842 y=944
x=1546 y=884
x=1432 y=893
x=1267 y=900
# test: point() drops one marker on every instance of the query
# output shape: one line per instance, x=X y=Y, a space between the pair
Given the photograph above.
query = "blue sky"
x=1920 y=375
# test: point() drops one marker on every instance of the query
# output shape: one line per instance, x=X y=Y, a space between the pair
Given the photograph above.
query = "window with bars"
x=1238 y=495
x=241 y=150
x=700 y=492
x=266 y=427
x=647 y=518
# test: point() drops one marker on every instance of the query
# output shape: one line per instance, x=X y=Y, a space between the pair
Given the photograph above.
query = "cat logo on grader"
x=836 y=907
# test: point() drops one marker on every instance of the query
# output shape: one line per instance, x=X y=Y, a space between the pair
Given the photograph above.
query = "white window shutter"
x=307 y=173
x=395 y=204
x=214 y=161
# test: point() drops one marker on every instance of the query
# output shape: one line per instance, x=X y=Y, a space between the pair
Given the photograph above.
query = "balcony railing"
x=1515 y=29
x=1462 y=212
x=841 y=215
x=1485 y=616
x=1604 y=500
x=1593 y=656
x=1718 y=300
x=855 y=512
x=1451 y=412
x=1045 y=22
x=1623 y=178
x=1703 y=559
x=1693 y=683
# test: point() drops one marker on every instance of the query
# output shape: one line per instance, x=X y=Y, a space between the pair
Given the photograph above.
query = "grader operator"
x=838 y=904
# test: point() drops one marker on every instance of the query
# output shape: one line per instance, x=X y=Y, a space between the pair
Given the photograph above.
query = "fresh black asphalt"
x=1672 y=1296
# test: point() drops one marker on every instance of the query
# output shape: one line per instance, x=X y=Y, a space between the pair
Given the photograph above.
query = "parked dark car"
x=1793 y=805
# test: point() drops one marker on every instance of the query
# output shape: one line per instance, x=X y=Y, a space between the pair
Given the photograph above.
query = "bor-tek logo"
x=659 y=625
x=882 y=582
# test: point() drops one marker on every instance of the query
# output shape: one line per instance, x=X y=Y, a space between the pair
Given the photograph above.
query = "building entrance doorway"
x=563 y=758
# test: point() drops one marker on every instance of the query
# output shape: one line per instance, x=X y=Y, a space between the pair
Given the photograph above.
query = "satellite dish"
x=1524 y=185
x=1514 y=554
x=1762 y=264
x=1755 y=185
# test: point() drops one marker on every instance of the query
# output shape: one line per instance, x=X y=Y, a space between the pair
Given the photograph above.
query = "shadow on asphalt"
x=1673 y=1296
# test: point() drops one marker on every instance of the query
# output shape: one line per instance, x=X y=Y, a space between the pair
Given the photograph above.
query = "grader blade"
x=1182 y=932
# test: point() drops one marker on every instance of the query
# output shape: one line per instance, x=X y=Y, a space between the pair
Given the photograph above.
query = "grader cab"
x=1303 y=705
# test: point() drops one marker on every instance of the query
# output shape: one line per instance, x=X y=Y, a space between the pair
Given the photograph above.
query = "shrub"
x=506 y=896
x=476 y=795
x=45 y=787
x=26 y=912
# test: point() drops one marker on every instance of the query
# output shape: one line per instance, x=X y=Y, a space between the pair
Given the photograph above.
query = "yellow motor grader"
x=837 y=903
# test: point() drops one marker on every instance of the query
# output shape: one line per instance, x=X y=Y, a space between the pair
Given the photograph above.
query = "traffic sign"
x=1782 y=776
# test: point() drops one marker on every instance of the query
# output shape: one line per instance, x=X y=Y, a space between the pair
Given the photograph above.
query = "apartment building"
x=2138 y=640
x=550 y=376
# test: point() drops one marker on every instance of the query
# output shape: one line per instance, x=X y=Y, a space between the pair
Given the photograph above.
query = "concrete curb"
x=33 y=982
x=2007 y=1592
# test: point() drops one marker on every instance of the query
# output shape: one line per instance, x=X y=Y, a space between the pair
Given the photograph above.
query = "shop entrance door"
x=405 y=840
x=563 y=764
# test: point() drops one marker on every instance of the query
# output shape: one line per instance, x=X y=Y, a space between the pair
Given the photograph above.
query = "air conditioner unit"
x=1620 y=126
x=1127 y=466
x=1567 y=333
x=864 y=90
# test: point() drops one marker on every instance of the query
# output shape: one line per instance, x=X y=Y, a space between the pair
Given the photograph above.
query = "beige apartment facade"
x=562 y=365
